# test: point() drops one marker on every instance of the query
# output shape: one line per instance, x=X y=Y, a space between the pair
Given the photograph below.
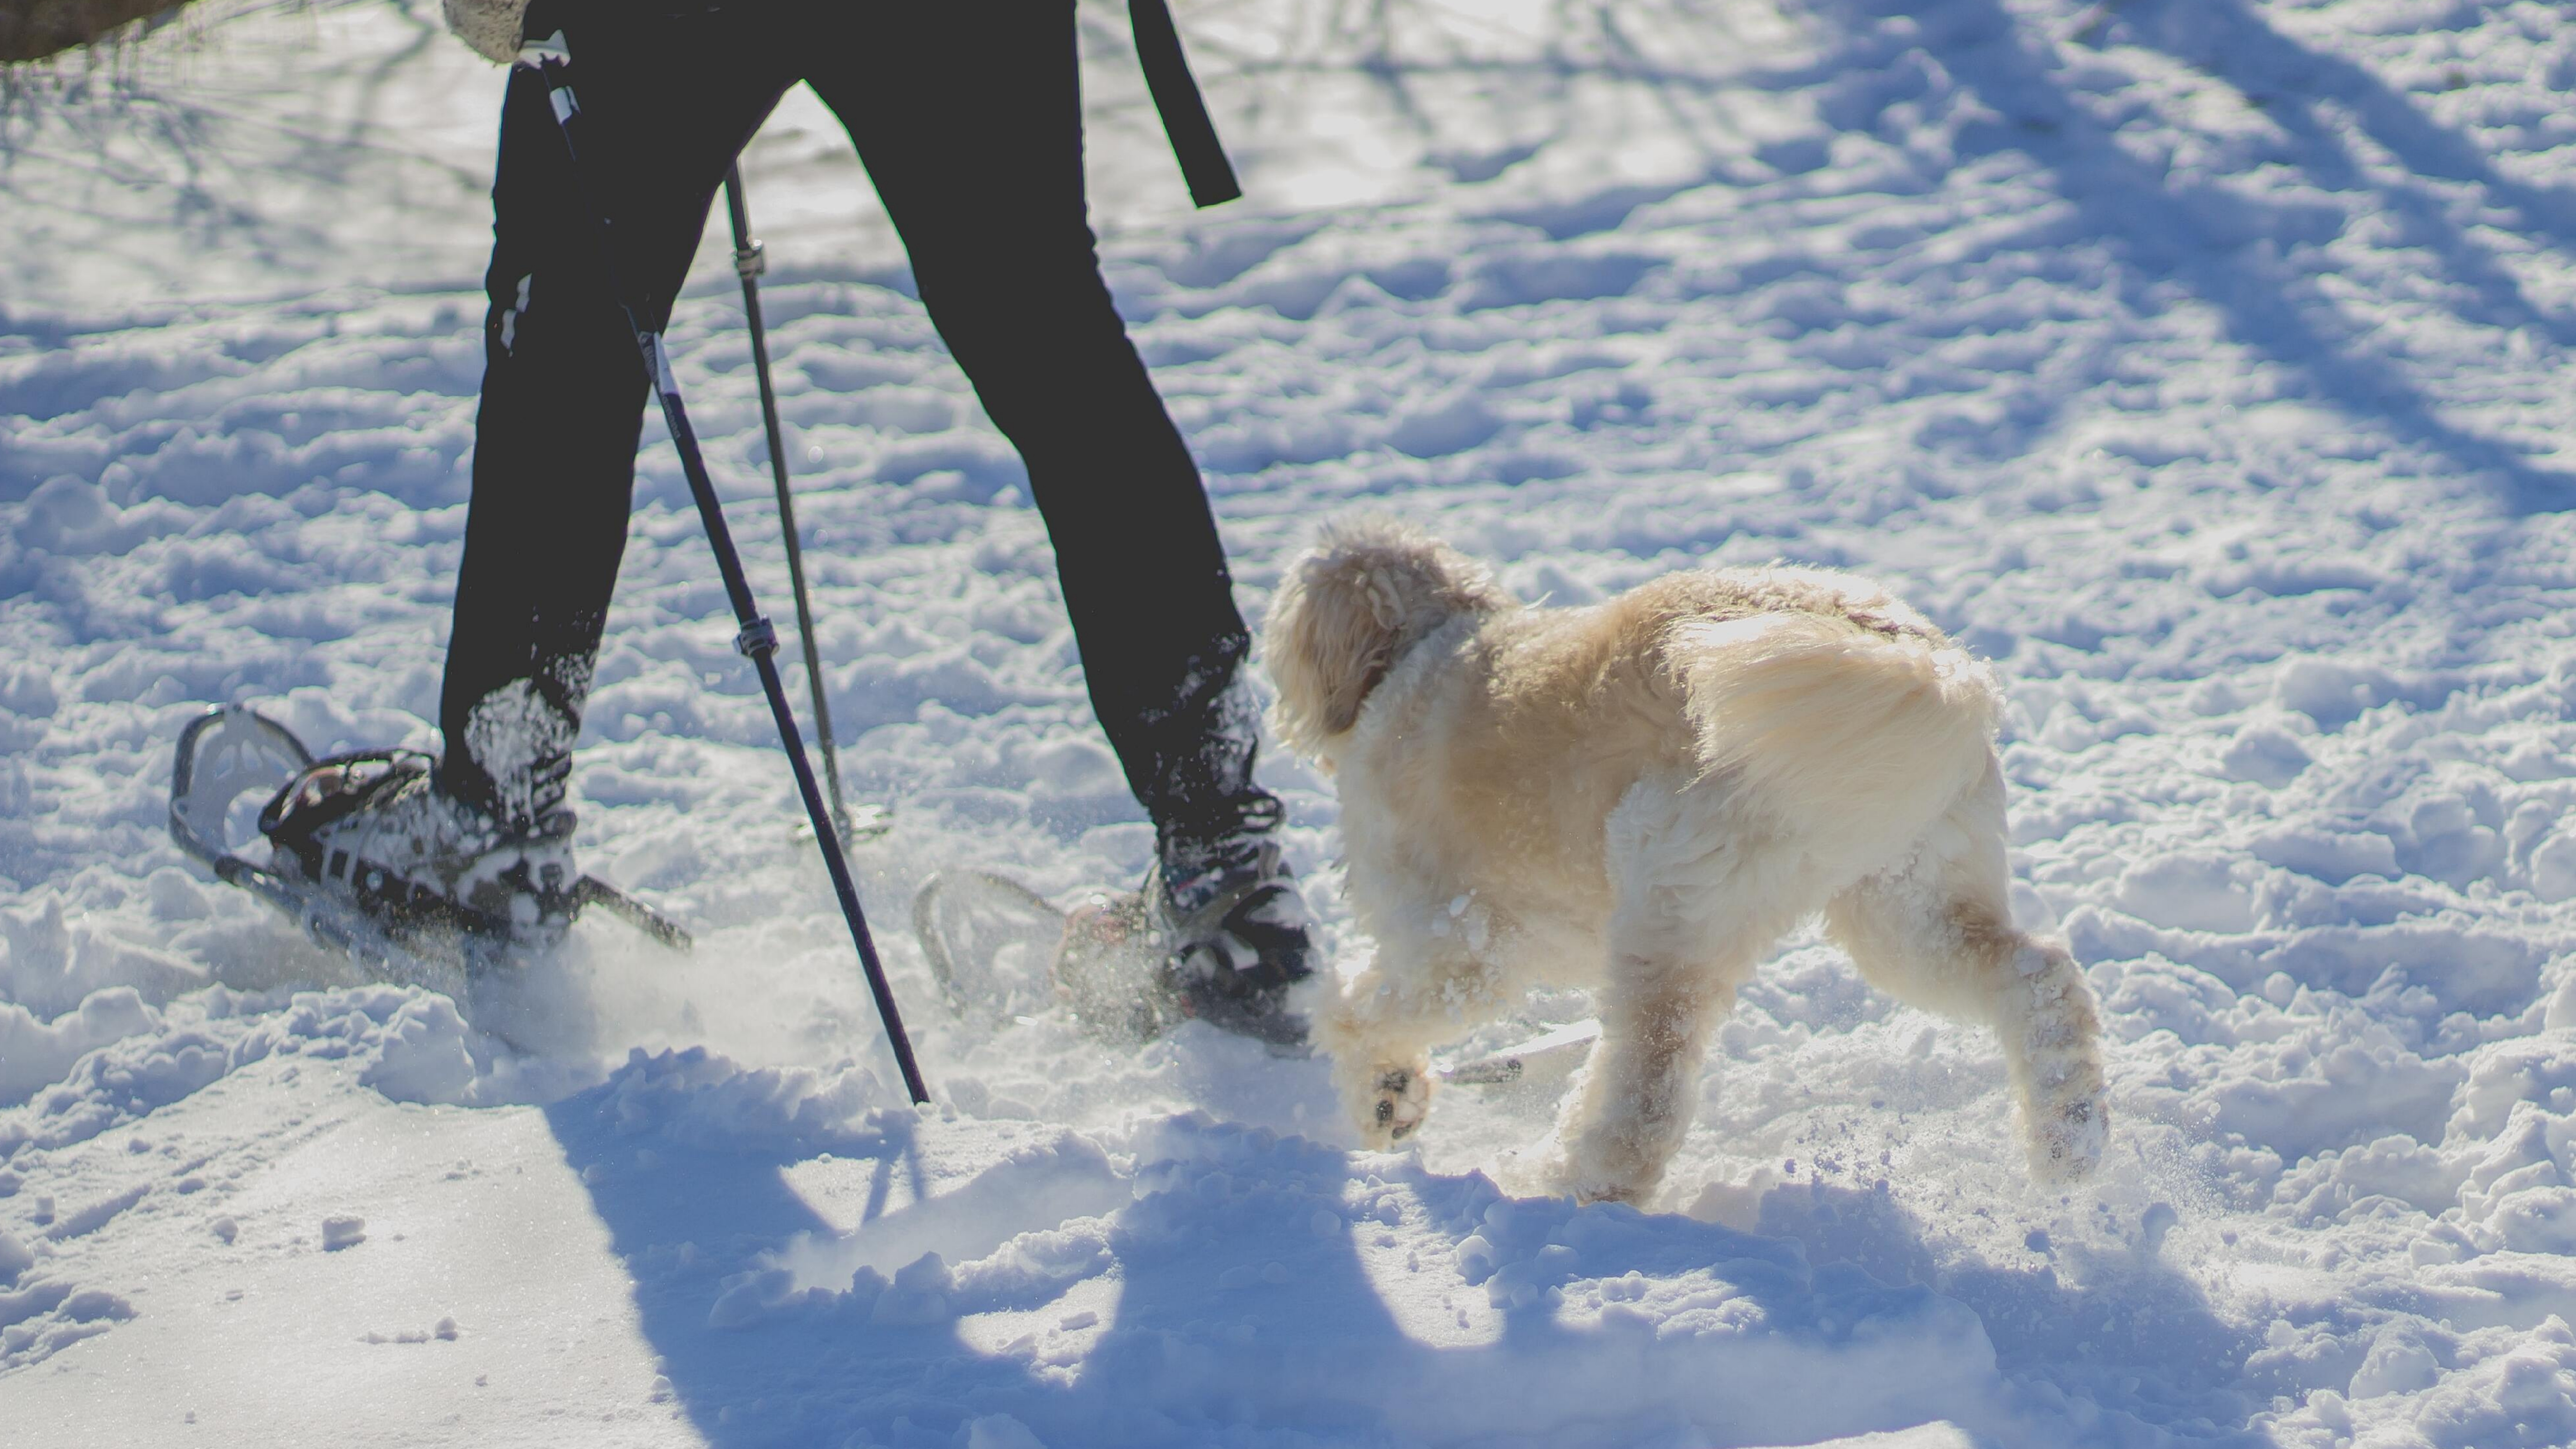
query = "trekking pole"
x=551 y=60
x=749 y=261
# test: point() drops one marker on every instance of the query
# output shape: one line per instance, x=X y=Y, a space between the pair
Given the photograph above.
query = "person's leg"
x=967 y=115
x=667 y=100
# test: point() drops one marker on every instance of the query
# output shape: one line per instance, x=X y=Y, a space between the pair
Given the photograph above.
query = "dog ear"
x=1328 y=641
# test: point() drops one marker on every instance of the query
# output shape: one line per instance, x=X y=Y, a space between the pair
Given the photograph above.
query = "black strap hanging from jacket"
x=1176 y=97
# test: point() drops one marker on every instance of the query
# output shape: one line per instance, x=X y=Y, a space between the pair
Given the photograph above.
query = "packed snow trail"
x=2204 y=363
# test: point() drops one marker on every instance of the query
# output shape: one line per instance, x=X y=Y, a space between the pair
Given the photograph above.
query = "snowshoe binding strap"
x=330 y=790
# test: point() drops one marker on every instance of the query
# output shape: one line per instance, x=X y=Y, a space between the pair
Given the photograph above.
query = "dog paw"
x=2068 y=1139
x=1402 y=1097
x=1588 y=1192
x=1581 y=1170
x=1558 y=1176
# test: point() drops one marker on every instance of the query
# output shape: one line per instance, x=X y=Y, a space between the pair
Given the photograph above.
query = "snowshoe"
x=1001 y=953
x=988 y=940
x=364 y=857
x=373 y=827
x=1108 y=967
x=1127 y=965
x=1545 y=1057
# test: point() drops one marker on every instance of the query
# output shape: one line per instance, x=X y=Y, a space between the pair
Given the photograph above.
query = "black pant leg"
x=968 y=117
x=666 y=103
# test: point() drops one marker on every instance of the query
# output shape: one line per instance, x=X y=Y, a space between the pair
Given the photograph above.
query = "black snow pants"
x=967 y=117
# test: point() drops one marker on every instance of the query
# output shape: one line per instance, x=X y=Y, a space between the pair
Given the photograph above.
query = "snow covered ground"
x=2203 y=362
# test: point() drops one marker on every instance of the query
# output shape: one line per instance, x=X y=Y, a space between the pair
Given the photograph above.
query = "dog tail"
x=1854 y=739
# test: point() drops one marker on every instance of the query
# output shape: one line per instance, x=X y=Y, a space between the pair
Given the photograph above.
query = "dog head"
x=1348 y=609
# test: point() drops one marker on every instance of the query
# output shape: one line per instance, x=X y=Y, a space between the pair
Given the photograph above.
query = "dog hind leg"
x=1936 y=930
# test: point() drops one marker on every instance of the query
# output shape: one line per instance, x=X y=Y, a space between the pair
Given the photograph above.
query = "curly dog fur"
x=1641 y=796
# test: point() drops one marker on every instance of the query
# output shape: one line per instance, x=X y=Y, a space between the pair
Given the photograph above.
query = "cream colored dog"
x=1641 y=796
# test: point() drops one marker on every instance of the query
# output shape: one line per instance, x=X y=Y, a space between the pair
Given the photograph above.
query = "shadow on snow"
x=1236 y=1320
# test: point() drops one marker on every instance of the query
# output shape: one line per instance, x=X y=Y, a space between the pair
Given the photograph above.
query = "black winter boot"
x=1236 y=934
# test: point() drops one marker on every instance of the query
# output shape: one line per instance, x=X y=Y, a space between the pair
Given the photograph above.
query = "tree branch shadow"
x=2215 y=243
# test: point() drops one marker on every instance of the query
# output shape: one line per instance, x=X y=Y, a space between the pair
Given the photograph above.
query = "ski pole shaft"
x=748 y=263
x=756 y=639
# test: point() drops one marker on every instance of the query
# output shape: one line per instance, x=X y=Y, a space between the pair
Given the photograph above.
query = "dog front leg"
x=1691 y=909
x=1628 y=1115
x=1381 y=1029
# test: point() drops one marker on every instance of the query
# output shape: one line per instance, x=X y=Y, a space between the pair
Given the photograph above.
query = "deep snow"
x=2203 y=362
